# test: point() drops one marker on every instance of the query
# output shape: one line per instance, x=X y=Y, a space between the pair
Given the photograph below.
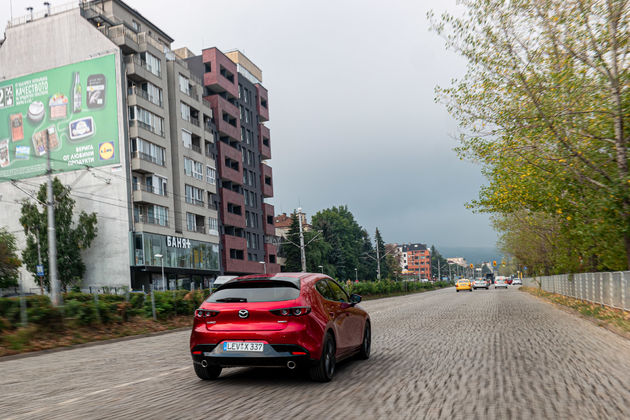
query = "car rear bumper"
x=273 y=355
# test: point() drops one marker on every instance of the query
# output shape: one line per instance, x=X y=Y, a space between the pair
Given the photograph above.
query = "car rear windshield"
x=255 y=291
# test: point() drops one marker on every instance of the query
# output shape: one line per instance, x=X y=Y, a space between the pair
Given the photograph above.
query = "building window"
x=211 y=175
x=236 y=254
x=234 y=209
x=194 y=195
x=187 y=139
x=154 y=65
x=185 y=111
x=147 y=120
x=148 y=151
x=191 y=222
x=184 y=85
x=213 y=226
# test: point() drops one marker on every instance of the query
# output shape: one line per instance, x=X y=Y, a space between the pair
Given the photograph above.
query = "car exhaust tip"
x=291 y=364
x=204 y=363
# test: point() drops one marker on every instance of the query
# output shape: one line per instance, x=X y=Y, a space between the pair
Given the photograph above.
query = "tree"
x=71 y=240
x=382 y=253
x=345 y=237
x=9 y=261
x=544 y=108
x=438 y=260
x=315 y=252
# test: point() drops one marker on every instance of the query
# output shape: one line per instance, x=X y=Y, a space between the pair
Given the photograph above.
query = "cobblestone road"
x=487 y=354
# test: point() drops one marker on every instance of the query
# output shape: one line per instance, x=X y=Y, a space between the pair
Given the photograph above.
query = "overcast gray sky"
x=352 y=113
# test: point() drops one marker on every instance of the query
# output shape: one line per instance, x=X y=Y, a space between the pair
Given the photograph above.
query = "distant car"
x=517 y=281
x=463 y=284
x=287 y=319
x=480 y=284
x=500 y=283
x=508 y=281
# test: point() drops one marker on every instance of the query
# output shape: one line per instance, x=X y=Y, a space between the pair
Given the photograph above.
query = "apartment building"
x=151 y=141
x=415 y=260
x=233 y=88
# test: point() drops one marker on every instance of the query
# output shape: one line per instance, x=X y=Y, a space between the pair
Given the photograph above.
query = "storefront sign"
x=176 y=242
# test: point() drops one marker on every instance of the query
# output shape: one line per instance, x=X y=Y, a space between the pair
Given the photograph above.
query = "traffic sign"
x=40 y=270
x=472 y=265
x=494 y=263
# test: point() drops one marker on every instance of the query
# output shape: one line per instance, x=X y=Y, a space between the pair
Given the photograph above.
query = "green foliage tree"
x=71 y=238
x=544 y=108
x=315 y=252
x=9 y=261
x=346 y=238
x=382 y=253
x=438 y=259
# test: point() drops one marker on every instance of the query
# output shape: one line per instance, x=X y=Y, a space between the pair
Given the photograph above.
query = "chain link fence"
x=610 y=289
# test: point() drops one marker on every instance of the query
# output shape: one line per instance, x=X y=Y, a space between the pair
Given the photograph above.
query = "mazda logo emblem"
x=243 y=313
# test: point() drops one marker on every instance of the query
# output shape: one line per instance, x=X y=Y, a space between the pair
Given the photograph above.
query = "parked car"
x=480 y=284
x=517 y=282
x=500 y=282
x=286 y=319
x=463 y=284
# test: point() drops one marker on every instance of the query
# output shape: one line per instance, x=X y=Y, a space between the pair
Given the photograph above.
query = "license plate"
x=242 y=346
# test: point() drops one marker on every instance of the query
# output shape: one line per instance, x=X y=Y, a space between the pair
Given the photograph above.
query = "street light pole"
x=52 y=234
x=264 y=263
x=356 y=275
x=321 y=269
x=302 y=253
x=378 y=262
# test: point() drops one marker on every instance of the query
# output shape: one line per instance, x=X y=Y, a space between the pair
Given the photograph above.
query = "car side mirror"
x=354 y=298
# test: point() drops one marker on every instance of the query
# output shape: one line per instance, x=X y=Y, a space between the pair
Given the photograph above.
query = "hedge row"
x=81 y=309
x=384 y=288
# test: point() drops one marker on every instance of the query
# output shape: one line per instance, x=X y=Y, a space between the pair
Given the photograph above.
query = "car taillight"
x=204 y=313
x=294 y=311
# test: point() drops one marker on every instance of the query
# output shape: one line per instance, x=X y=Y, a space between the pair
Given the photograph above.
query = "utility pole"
x=378 y=262
x=52 y=238
x=302 y=253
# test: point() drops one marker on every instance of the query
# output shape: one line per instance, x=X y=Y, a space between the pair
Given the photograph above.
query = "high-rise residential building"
x=415 y=260
x=233 y=87
x=148 y=138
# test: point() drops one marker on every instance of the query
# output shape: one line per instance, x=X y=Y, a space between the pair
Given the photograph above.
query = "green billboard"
x=71 y=110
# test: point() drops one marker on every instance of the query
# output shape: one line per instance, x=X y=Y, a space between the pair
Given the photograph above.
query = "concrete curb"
x=90 y=344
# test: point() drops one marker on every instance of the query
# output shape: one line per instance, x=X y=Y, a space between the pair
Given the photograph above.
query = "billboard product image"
x=73 y=110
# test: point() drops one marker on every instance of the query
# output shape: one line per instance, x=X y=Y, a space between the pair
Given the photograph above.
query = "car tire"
x=471 y=290
x=324 y=369
x=457 y=290
x=366 y=345
x=207 y=373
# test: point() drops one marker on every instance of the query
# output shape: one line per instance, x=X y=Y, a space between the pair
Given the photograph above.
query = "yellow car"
x=463 y=284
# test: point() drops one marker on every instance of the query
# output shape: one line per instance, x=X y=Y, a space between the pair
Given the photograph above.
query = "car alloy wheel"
x=329 y=358
x=366 y=345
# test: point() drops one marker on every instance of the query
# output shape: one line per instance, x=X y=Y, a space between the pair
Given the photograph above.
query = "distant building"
x=415 y=259
x=461 y=261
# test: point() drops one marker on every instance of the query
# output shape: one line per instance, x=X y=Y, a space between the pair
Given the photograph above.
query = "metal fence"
x=610 y=289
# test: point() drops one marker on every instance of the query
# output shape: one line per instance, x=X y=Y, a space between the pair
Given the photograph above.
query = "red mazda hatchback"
x=277 y=320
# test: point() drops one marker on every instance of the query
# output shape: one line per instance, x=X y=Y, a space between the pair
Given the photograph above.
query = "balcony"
x=120 y=35
x=226 y=117
x=264 y=141
x=143 y=193
x=220 y=72
x=227 y=152
x=150 y=220
x=231 y=198
x=137 y=124
x=137 y=69
x=137 y=96
x=262 y=105
x=266 y=180
x=143 y=163
x=268 y=212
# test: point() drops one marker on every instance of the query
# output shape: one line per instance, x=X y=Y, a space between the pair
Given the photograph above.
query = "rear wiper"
x=232 y=299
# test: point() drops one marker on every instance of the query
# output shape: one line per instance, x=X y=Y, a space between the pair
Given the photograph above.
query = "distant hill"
x=472 y=254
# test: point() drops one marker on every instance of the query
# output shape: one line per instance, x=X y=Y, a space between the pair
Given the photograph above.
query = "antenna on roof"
x=30 y=10
x=47 y=4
